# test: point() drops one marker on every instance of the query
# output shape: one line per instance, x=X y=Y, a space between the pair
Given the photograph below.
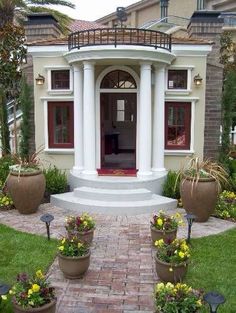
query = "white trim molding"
x=58 y=92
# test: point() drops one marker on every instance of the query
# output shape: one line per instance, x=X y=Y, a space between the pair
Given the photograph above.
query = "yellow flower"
x=61 y=248
x=63 y=241
x=199 y=303
x=181 y=254
x=35 y=287
x=79 y=245
x=39 y=274
x=160 y=222
x=177 y=215
x=159 y=243
x=169 y=285
x=30 y=291
x=11 y=292
x=159 y=286
x=4 y=297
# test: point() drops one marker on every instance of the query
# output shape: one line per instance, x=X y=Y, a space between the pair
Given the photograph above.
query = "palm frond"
x=52 y=2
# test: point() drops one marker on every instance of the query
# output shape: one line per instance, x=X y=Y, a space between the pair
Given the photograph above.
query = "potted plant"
x=81 y=226
x=26 y=185
x=200 y=185
x=164 y=226
x=74 y=257
x=177 y=298
x=172 y=260
x=33 y=294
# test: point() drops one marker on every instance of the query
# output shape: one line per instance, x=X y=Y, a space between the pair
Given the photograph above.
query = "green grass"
x=23 y=252
x=213 y=267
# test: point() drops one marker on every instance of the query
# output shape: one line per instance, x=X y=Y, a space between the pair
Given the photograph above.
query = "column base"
x=77 y=169
x=90 y=172
x=147 y=173
x=158 y=170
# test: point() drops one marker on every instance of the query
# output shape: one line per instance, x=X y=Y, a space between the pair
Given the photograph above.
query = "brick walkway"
x=121 y=275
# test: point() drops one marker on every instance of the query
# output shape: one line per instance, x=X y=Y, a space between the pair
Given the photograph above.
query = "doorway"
x=118 y=130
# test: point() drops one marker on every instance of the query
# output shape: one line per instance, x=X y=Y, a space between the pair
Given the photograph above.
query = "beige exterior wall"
x=66 y=161
x=221 y=5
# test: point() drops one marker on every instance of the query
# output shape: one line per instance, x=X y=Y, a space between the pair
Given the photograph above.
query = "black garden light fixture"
x=190 y=219
x=4 y=289
x=47 y=219
x=214 y=299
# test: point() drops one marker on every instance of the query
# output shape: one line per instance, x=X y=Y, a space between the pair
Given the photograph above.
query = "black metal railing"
x=119 y=36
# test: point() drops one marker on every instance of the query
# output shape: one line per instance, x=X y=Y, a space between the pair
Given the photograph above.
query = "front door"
x=118 y=130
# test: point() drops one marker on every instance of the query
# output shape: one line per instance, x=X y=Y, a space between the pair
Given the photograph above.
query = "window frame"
x=178 y=91
x=188 y=125
x=51 y=127
x=49 y=80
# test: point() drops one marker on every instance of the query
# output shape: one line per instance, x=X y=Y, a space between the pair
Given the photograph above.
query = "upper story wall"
x=221 y=5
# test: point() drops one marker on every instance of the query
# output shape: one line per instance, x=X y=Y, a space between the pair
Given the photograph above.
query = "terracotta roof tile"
x=77 y=25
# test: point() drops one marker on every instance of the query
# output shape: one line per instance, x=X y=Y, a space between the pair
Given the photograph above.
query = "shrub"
x=56 y=180
x=5 y=162
x=171 y=185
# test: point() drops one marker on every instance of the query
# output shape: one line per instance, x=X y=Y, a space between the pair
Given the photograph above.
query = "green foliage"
x=4 y=132
x=171 y=185
x=226 y=205
x=80 y=223
x=25 y=105
x=5 y=162
x=73 y=247
x=228 y=107
x=56 y=180
x=6 y=202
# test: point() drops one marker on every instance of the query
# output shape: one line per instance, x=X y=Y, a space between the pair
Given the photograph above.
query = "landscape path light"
x=47 y=219
x=190 y=219
x=214 y=299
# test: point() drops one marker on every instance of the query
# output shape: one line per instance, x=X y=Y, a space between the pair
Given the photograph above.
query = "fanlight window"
x=118 y=80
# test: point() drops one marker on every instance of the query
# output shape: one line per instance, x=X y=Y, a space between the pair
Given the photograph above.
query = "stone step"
x=112 y=194
x=68 y=201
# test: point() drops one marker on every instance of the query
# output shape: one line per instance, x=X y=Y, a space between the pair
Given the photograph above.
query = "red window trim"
x=187 y=124
x=51 y=107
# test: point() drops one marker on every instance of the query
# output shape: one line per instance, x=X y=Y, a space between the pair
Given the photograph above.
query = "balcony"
x=119 y=36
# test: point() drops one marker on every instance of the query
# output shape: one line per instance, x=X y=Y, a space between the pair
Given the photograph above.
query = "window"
x=177 y=125
x=60 y=124
x=60 y=79
x=177 y=79
x=118 y=80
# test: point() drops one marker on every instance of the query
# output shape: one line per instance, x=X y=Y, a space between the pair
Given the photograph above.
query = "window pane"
x=177 y=79
x=60 y=79
x=118 y=80
x=120 y=105
x=120 y=116
x=61 y=122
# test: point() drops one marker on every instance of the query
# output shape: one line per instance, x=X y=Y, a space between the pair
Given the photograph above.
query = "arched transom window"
x=118 y=80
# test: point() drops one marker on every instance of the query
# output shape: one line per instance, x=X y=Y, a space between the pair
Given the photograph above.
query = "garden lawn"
x=23 y=252
x=213 y=267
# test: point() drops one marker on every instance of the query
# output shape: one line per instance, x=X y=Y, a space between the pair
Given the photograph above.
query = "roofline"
x=137 y=5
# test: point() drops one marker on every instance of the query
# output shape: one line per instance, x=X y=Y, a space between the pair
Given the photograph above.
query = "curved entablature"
x=119 y=36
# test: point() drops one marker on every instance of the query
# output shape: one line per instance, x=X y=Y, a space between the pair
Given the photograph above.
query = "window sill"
x=59 y=151
x=178 y=92
x=60 y=92
x=178 y=152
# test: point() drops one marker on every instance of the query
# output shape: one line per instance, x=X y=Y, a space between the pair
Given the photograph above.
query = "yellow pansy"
x=199 y=303
x=61 y=248
x=30 y=291
x=63 y=241
x=4 y=297
x=79 y=245
x=39 y=274
x=159 y=222
x=35 y=287
x=181 y=254
x=159 y=243
x=85 y=223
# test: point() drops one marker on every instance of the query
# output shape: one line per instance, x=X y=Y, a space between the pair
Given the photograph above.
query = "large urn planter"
x=199 y=198
x=173 y=273
x=166 y=235
x=74 y=267
x=46 y=308
x=26 y=189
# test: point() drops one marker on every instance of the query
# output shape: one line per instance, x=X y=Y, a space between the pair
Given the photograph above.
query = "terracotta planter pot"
x=74 y=267
x=47 y=308
x=26 y=190
x=199 y=199
x=164 y=273
x=85 y=236
x=167 y=236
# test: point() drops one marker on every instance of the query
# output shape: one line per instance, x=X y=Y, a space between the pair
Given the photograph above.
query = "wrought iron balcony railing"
x=119 y=36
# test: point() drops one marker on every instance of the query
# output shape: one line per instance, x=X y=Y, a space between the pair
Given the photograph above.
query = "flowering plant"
x=226 y=205
x=162 y=221
x=72 y=247
x=175 y=252
x=32 y=292
x=5 y=201
x=177 y=298
x=80 y=223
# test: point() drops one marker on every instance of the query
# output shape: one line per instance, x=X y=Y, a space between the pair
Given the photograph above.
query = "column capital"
x=88 y=65
x=77 y=67
x=145 y=65
x=159 y=67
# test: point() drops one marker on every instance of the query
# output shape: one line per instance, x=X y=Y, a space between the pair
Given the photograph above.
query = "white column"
x=145 y=120
x=89 y=119
x=78 y=118
x=159 y=121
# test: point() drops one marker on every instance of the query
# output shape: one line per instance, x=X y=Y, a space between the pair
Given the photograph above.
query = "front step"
x=70 y=202
x=112 y=194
